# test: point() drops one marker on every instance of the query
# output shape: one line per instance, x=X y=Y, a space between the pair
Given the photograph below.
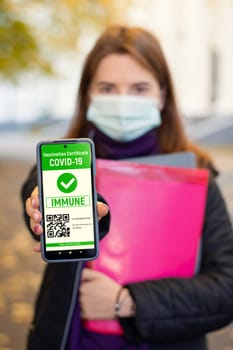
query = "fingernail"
x=36 y=229
x=106 y=207
x=33 y=202
x=36 y=216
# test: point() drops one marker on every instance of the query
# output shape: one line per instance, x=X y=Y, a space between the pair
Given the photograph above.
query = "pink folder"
x=156 y=223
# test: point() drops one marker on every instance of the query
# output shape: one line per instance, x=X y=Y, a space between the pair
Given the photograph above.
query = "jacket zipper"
x=72 y=306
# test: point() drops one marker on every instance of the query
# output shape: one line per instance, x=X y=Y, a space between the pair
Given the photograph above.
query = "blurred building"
x=197 y=36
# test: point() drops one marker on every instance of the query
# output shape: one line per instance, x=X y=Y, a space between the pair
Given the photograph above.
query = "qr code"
x=57 y=225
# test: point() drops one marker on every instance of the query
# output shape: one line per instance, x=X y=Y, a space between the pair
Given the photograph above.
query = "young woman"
x=126 y=104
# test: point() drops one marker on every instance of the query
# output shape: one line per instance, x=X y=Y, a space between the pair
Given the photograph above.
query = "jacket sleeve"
x=178 y=308
x=27 y=188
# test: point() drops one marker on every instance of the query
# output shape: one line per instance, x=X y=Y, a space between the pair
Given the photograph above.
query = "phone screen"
x=68 y=200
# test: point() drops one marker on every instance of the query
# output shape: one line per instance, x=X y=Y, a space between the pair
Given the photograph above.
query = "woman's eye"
x=106 y=89
x=140 y=89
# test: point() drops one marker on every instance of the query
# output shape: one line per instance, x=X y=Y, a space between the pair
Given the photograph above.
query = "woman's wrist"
x=124 y=306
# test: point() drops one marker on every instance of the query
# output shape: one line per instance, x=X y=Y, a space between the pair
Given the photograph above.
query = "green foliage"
x=34 y=32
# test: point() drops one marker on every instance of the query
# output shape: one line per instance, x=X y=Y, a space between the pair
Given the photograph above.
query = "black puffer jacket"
x=171 y=313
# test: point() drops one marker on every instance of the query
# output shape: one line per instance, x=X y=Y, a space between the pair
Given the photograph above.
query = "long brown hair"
x=145 y=48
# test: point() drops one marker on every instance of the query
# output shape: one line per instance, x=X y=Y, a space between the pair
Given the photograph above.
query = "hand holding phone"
x=66 y=181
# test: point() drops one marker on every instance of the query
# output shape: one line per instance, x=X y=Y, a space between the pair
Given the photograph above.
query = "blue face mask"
x=123 y=117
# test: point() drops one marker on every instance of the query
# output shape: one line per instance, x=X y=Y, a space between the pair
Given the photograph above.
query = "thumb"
x=102 y=209
x=88 y=274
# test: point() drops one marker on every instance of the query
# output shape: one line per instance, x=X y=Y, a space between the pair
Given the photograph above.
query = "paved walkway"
x=21 y=268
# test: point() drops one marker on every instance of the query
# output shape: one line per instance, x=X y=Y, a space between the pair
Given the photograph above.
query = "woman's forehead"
x=118 y=67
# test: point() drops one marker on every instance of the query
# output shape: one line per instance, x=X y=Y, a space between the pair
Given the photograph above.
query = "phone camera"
x=65 y=146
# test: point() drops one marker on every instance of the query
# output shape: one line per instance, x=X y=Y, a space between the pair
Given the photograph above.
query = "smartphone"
x=67 y=193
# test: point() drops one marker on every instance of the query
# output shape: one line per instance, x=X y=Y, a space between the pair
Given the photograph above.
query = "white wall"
x=190 y=31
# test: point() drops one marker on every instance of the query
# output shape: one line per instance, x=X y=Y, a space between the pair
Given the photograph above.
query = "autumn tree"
x=34 y=32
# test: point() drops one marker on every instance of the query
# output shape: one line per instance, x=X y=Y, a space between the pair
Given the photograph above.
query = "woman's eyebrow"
x=141 y=83
x=104 y=83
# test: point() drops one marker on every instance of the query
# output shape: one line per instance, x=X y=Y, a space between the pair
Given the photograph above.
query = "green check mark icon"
x=67 y=182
